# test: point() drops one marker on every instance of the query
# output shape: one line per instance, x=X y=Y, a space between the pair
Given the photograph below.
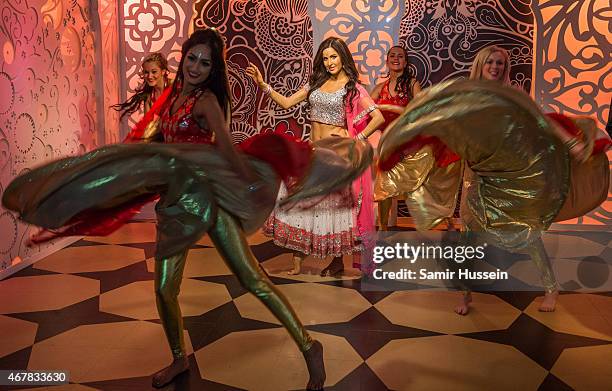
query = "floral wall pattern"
x=274 y=35
x=573 y=63
x=369 y=28
x=149 y=26
x=48 y=106
x=443 y=36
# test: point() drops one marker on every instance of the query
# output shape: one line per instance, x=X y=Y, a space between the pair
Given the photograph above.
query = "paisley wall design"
x=48 y=105
x=443 y=36
x=274 y=35
x=573 y=67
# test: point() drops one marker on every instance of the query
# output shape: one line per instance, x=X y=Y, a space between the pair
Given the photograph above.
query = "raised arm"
x=283 y=101
x=207 y=112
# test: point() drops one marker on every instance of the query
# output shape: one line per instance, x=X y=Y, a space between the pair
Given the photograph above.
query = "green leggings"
x=230 y=241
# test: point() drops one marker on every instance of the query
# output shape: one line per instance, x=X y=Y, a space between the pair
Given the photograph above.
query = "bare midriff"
x=320 y=131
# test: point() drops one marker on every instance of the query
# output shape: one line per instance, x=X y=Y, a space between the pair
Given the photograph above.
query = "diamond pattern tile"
x=90 y=309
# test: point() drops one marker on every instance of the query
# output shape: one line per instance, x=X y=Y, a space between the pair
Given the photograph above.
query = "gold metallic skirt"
x=520 y=171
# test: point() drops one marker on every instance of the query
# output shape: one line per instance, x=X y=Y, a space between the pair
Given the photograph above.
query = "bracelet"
x=267 y=90
x=361 y=136
x=571 y=144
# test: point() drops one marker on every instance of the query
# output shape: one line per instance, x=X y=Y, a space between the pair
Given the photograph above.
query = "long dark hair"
x=217 y=82
x=320 y=75
x=144 y=91
x=406 y=80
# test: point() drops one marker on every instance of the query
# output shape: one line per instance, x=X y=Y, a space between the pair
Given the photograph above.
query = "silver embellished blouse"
x=328 y=107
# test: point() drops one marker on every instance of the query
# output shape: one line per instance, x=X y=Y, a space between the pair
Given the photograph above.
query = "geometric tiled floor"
x=89 y=309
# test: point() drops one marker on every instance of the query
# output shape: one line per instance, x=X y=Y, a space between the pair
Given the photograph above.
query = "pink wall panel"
x=47 y=104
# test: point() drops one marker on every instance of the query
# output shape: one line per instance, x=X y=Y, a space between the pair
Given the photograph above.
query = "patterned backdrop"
x=274 y=35
x=573 y=59
x=47 y=107
x=443 y=36
x=109 y=29
x=50 y=106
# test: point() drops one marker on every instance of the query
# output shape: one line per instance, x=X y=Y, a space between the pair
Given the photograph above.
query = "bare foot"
x=464 y=304
x=297 y=266
x=166 y=375
x=316 y=366
x=549 y=301
x=37 y=236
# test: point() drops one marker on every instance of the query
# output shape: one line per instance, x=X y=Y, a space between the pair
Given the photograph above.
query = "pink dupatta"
x=357 y=119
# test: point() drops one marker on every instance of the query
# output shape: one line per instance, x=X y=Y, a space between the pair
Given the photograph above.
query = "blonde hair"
x=158 y=58
x=481 y=59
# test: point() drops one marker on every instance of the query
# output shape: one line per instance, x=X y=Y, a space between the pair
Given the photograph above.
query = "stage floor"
x=90 y=309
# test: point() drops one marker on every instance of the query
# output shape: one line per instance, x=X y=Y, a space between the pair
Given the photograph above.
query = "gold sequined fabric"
x=429 y=191
x=590 y=178
x=520 y=167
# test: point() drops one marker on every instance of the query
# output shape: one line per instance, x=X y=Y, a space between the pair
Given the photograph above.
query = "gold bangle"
x=571 y=144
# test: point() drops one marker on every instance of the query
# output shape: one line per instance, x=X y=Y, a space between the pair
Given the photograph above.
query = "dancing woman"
x=431 y=174
x=204 y=184
x=339 y=107
x=155 y=80
x=493 y=63
x=523 y=174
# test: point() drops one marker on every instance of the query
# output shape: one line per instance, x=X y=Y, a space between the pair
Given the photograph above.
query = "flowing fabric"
x=357 y=119
x=99 y=191
x=589 y=178
x=521 y=169
x=425 y=173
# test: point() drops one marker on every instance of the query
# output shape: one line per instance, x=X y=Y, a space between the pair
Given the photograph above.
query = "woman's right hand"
x=254 y=74
x=578 y=149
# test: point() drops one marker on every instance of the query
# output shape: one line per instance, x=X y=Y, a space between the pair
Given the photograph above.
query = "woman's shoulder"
x=205 y=97
x=362 y=90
